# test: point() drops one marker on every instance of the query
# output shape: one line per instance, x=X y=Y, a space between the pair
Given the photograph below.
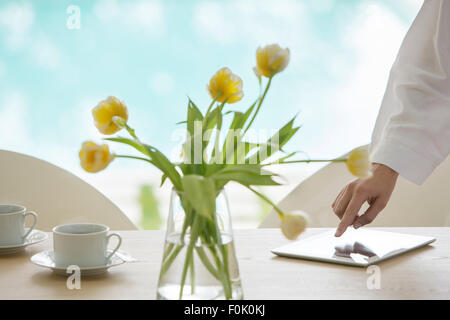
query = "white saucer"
x=46 y=259
x=34 y=237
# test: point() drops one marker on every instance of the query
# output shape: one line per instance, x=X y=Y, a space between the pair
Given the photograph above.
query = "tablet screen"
x=360 y=247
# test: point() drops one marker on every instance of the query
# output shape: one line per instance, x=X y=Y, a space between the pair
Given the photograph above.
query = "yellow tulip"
x=225 y=86
x=358 y=162
x=293 y=224
x=94 y=157
x=104 y=112
x=271 y=60
x=257 y=73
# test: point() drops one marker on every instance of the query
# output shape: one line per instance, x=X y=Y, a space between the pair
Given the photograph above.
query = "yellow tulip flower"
x=271 y=60
x=358 y=162
x=104 y=112
x=94 y=157
x=225 y=86
x=293 y=224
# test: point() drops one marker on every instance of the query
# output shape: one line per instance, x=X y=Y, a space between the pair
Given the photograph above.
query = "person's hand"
x=376 y=191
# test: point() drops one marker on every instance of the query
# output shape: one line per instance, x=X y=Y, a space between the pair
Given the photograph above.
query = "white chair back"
x=56 y=195
x=410 y=205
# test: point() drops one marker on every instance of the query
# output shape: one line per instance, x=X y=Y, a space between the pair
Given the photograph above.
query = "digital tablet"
x=361 y=247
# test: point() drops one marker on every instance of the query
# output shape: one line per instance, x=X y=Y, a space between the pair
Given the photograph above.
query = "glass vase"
x=199 y=260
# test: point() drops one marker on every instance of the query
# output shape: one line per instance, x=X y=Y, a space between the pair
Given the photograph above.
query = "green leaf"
x=164 y=164
x=233 y=137
x=287 y=132
x=200 y=192
x=240 y=153
x=245 y=174
x=216 y=150
x=211 y=118
x=163 y=179
x=272 y=145
x=129 y=142
x=157 y=158
x=281 y=159
x=209 y=122
x=194 y=114
x=185 y=168
x=243 y=117
x=232 y=144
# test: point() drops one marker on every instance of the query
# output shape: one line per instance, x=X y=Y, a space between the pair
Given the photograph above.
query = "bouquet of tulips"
x=213 y=155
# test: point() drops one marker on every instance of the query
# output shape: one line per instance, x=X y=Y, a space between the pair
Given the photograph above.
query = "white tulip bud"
x=293 y=224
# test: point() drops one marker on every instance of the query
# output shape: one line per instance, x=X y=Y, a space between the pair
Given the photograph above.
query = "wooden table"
x=421 y=274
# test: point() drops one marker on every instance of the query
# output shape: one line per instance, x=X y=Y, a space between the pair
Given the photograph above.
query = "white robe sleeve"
x=412 y=132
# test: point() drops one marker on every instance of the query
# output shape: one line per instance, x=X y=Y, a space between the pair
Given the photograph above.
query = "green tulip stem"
x=212 y=103
x=305 y=161
x=204 y=258
x=259 y=104
x=132 y=157
x=123 y=124
x=194 y=233
x=266 y=199
x=192 y=274
x=167 y=260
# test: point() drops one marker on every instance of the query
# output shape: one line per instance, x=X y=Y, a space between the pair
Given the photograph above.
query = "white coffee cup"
x=12 y=224
x=82 y=244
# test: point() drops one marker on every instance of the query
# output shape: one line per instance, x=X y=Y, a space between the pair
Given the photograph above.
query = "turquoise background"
x=153 y=54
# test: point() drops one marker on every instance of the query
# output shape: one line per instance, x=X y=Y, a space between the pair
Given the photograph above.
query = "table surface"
x=421 y=274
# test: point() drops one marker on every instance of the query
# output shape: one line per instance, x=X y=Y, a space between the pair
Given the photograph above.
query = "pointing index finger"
x=350 y=213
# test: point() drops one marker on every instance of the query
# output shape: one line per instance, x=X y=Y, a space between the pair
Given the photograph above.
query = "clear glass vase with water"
x=199 y=259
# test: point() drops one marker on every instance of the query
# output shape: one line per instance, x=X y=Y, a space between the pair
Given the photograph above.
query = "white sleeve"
x=412 y=132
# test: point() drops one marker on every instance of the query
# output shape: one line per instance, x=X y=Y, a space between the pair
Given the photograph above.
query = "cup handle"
x=32 y=213
x=117 y=247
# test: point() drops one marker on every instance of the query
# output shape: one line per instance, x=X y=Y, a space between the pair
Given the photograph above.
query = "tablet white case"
x=360 y=248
